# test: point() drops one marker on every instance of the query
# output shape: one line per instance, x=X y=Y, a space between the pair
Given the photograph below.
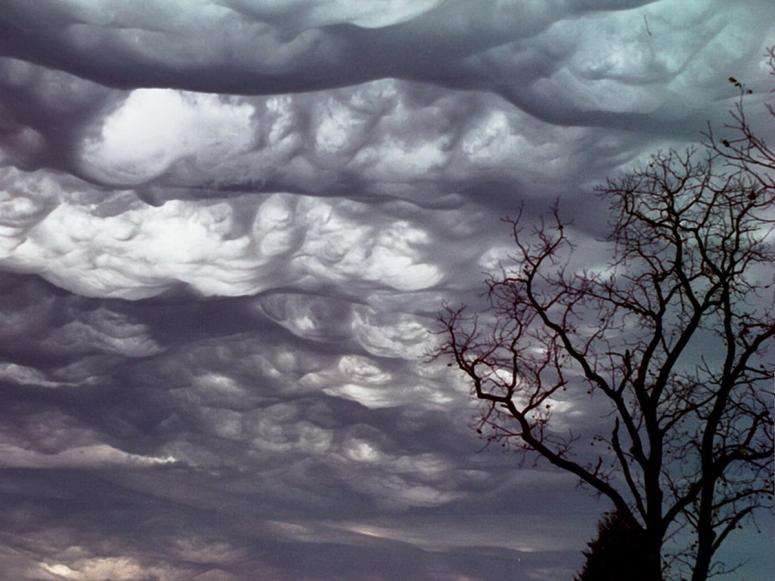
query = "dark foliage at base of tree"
x=617 y=552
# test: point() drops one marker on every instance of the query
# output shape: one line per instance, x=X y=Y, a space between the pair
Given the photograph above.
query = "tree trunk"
x=705 y=533
x=705 y=538
x=653 y=557
x=654 y=496
x=702 y=564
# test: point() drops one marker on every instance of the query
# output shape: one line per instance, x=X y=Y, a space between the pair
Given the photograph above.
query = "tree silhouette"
x=665 y=352
x=617 y=552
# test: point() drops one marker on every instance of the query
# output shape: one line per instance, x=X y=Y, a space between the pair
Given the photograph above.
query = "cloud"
x=225 y=231
x=162 y=42
x=306 y=14
x=155 y=128
x=386 y=334
x=378 y=130
x=118 y=568
x=96 y=456
x=23 y=375
x=22 y=205
x=103 y=330
x=213 y=250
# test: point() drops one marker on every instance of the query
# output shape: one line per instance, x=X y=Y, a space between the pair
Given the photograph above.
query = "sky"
x=226 y=229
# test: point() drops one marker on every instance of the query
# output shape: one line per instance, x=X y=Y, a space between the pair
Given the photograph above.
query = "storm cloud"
x=226 y=228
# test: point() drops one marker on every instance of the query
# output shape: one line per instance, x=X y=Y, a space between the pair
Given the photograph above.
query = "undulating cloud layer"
x=225 y=230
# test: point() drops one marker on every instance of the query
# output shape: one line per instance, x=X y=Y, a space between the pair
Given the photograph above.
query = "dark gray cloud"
x=225 y=230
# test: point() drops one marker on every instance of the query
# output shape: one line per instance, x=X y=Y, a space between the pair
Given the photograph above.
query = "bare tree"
x=745 y=150
x=666 y=349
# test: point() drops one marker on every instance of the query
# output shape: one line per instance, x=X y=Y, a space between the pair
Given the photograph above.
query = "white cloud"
x=342 y=249
x=146 y=250
x=90 y=456
x=155 y=128
x=390 y=334
x=24 y=202
x=314 y=317
x=360 y=450
x=114 y=568
x=24 y=375
x=361 y=379
x=279 y=428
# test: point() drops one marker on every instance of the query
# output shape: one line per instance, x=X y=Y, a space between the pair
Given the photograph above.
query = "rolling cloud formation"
x=225 y=230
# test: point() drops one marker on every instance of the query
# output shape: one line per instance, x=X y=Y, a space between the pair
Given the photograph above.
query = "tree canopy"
x=665 y=351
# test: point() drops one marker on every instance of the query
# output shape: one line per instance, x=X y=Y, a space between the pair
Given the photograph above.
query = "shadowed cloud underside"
x=225 y=231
